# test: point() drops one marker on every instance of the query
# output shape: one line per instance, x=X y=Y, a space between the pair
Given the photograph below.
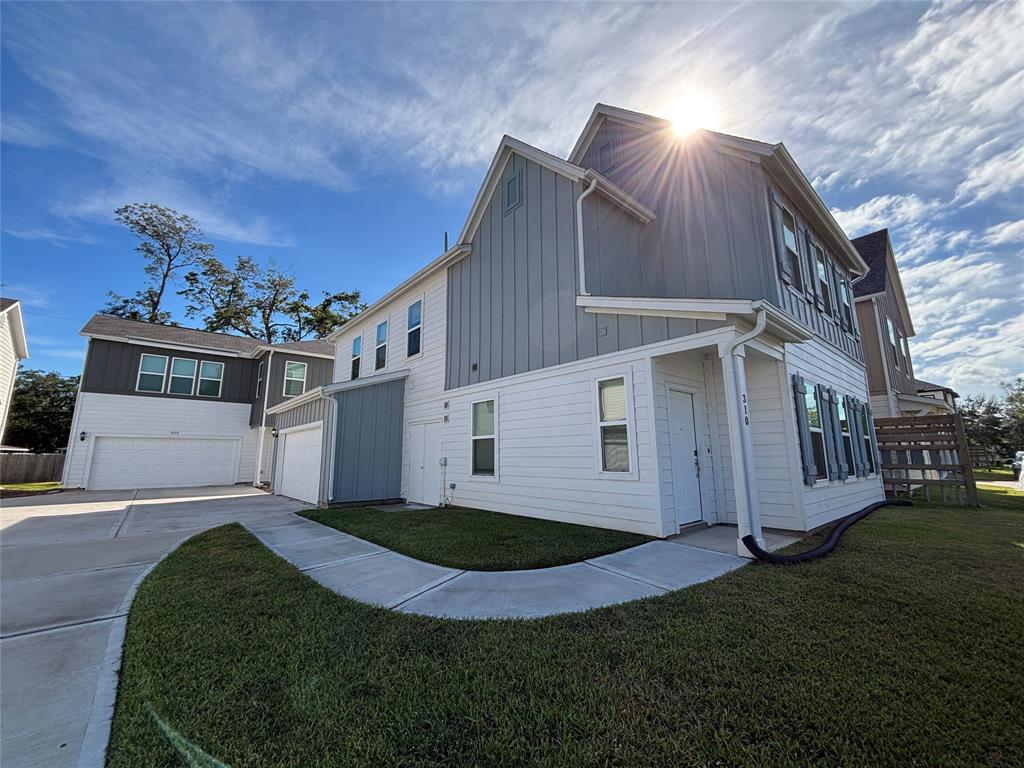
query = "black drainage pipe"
x=825 y=547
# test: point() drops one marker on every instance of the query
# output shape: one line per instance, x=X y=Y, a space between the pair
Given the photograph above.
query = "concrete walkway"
x=373 y=574
x=69 y=563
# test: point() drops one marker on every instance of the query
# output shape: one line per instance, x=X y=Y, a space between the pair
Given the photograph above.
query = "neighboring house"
x=654 y=333
x=13 y=349
x=884 y=318
x=163 y=406
x=946 y=398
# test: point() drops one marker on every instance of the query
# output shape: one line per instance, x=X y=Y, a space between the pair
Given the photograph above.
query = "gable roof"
x=876 y=248
x=118 y=328
x=920 y=385
x=873 y=248
x=774 y=157
x=509 y=145
x=12 y=309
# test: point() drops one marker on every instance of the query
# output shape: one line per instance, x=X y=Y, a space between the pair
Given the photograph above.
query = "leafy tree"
x=170 y=242
x=1013 y=414
x=41 y=409
x=983 y=422
x=262 y=302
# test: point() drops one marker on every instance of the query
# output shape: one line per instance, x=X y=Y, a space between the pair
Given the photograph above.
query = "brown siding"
x=871 y=346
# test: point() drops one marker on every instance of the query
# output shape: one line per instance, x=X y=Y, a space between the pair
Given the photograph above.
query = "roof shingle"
x=872 y=248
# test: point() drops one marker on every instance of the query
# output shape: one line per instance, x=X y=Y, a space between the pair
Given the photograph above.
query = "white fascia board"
x=341 y=386
x=452 y=255
x=598 y=115
x=284 y=351
x=165 y=344
x=782 y=166
x=18 y=330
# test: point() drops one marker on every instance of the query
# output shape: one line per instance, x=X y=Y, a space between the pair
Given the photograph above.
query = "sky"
x=343 y=140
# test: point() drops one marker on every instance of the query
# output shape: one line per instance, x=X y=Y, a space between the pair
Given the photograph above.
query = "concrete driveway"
x=67 y=562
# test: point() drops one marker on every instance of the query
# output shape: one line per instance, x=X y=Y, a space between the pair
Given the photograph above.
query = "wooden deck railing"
x=928 y=452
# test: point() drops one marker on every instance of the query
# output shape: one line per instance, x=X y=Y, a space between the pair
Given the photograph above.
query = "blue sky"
x=342 y=140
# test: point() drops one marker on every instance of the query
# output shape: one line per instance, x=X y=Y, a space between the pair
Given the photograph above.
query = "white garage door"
x=299 y=462
x=162 y=462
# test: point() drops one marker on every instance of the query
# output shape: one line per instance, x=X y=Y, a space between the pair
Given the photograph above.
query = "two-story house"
x=164 y=406
x=884 y=318
x=656 y=332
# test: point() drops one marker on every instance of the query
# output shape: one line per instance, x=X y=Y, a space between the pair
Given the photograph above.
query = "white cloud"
x=60 y=239
x=28 y=295
x=885 y=211
x=1005 y=233
x=999 y=174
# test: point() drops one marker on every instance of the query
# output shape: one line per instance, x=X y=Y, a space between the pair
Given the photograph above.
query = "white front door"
x=685 y=470
x=300 y=464
x=424 y=463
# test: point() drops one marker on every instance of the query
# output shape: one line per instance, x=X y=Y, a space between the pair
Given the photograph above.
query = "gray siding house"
x=164 y=406
x=655 y=332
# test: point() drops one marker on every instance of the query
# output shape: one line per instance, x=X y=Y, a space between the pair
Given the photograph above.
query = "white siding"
x=101 y=414
x=819 y=363
x=8 y=370
x=424 y=389
x=688 y=371
x=547 y=451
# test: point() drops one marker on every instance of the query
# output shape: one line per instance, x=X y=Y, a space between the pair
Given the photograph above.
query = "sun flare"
x=690 y=111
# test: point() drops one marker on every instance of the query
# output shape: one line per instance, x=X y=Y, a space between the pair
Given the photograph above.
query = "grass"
x=27 y=488
x=993 y=473
x=901 y=649
x=474 y=539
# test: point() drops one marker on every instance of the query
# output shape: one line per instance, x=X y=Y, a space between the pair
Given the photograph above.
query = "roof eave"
x=18 y=330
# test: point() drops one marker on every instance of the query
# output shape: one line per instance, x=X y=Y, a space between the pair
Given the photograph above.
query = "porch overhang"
x=779 y=324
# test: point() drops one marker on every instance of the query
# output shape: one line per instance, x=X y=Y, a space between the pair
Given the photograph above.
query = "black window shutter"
x=842 y=469
x=856 y=436
x=803 y=428
x=825 y=407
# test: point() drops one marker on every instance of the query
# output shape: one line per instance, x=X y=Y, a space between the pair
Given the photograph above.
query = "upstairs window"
x=892 y=342
x=612 y=424
x=294 y=378
x=483 y=438
x=844 y=295
x=512 y=191
x=792 y=254
x=152 y=370
x=414 y=326
x=381 y=351
x=259 y=379
x=183 y=376
x=824 y=289
x=211 y=376
x=357 y=351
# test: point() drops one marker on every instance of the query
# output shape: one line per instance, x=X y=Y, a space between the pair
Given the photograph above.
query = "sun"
x=690 y=111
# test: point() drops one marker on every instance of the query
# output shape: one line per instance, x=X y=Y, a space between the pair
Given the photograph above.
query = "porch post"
x=748 y=513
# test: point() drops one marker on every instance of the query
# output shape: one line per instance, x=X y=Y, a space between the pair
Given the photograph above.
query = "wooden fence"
x=31 y=467
x=928 y=452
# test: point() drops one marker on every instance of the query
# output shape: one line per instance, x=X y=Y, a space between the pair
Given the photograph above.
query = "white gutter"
x=579 y=236
x=263 y=418
x=735 y=369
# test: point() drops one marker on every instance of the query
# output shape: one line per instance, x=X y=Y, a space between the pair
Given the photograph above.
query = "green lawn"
x=474 y=539
x=903 y=648
x=993 y=473
x=30 y=487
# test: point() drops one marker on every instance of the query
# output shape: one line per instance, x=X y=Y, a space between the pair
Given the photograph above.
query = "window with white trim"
x=380 y=352
x=892 y=342
x=484 y=440
x=844 y=430
x=211 y=376
x=821 y=266
x=152 y=370
x=357 y=351
x=259 y=379
x=294 y=378
x=183 y=376
x=844 y=296
x=814 y=427
x=613 y=426
x=906 y=353
x=866 y=428
x=414 y=329
x=792 y=254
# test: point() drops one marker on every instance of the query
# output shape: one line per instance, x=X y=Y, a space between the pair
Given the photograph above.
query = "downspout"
x=263 y=420
x=579 y=236
x=731 y=357
x=332 y=426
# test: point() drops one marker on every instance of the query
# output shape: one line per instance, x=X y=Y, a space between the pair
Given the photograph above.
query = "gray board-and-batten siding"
x=512 y=301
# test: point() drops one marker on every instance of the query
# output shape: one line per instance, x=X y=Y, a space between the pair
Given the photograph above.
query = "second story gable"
x=127 y=357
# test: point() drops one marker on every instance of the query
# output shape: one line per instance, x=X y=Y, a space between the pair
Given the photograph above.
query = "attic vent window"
x=513 y=192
